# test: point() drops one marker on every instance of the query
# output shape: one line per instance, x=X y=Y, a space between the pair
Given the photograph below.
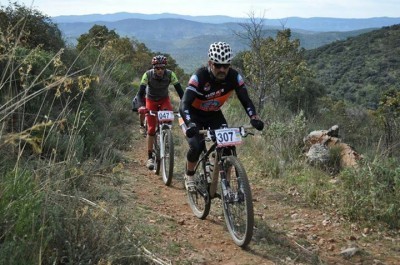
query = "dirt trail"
x=285 y=233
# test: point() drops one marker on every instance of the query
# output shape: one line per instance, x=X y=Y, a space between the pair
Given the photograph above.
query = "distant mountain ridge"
x=161 y=29
x=188 y=40
x=312 y=24
x=125 y=15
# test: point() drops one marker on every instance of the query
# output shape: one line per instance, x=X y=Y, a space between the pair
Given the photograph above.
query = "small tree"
x=30 y=27
x=277 y=71
x=97 y=37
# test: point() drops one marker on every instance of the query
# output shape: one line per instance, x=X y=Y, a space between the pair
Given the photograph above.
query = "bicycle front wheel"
x=199 y=200
x=167 y=158
x=237 y=202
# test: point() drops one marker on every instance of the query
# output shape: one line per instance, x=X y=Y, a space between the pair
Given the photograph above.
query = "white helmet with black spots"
x=220 y=52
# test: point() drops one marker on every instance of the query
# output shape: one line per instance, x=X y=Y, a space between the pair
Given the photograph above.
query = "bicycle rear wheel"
x=237 y=202
x=200 y=201
x=167 y=160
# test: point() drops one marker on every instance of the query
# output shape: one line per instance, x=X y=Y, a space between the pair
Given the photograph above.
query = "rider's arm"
x=142 y=93
x=188 y=97
x=142 y=87
x=179 y=90
x=248 y=105
x=244 y=98
x=177 y=85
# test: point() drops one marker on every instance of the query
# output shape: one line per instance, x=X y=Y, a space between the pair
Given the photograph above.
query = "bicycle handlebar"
x=243 y=132
x=144 y=110
x=246 y=127
x=154 y=112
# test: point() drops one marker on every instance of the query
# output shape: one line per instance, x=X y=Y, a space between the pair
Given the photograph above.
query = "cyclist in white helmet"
x=208 y=89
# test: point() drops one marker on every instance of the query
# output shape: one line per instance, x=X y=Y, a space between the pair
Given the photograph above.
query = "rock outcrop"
x=318 y=143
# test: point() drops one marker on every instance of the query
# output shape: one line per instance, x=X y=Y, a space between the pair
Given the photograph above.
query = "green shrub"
x=22 y=227
x=371 y=193
x=64 y=117
x=285 y=138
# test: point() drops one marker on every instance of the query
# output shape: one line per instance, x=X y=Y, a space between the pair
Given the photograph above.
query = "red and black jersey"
x=207 y=94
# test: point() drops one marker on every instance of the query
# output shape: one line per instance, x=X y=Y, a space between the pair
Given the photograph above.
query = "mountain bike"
x=220 y=162
x=163 y=147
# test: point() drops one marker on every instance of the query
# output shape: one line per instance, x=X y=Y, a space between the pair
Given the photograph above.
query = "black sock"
x=190 y=172
x=150 y=154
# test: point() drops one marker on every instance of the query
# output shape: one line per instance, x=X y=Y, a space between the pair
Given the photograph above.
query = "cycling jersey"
x=206 y=94
x=156 y=88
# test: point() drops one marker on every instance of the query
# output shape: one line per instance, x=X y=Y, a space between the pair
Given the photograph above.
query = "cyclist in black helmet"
x=153 y=91
x=207 y=91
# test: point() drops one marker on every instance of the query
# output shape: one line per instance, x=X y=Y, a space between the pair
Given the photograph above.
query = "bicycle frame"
x=218 y=160
x=215 y=174
x=163 y=126
x=230 y=173
x=163 y=148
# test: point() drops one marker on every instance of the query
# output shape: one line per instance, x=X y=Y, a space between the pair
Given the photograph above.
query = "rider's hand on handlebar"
x=257 y=123
x=192 y=130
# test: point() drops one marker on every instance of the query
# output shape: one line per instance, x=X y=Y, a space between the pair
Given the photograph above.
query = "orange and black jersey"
x=206 y=94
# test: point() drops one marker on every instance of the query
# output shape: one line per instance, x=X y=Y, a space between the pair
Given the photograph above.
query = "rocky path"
x=286 y=232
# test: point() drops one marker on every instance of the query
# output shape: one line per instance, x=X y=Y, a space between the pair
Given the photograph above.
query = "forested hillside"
x=360 y=69
x=187 y=40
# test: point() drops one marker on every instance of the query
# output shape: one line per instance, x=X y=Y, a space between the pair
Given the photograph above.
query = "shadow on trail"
x=277 y=247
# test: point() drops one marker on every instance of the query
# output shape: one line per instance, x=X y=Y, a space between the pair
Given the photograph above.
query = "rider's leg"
x=151 y=131
x=196 y=145
x=141 y=118
x=165 y=104
x=190 y=167
x=142 y=128
x=142 y=115
x=150 y=158
x=150 y=142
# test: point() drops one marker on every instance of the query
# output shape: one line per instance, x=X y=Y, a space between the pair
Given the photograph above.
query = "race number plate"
x=228 y=136
x=165 y=115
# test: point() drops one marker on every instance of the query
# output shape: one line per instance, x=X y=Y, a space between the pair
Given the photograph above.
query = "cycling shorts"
x=162 y=104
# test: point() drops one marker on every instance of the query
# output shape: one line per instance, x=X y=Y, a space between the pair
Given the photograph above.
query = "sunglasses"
x=159 y=68
x=220 y=65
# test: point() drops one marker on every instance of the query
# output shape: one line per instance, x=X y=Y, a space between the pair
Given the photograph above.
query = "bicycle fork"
x=226 y=192
x=230 y=195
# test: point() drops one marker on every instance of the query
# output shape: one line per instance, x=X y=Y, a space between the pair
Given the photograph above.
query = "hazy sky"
x=234 y=8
